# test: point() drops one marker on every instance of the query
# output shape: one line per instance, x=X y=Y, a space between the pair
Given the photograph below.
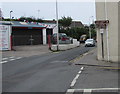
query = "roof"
x=76 y=24
x=21 y=24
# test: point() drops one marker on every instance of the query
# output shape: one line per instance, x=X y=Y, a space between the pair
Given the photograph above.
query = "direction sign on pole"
x=101 y=31
x=102 y=24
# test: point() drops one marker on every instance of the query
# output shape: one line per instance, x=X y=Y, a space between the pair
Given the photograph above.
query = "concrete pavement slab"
x=90 y=59
x=26 y=51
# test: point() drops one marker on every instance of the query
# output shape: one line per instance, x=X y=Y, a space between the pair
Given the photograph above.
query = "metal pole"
x=102 y=45
x=10 y=14
x=108 y=58
x=89 y=29
x=57 y=26
x=12 y=38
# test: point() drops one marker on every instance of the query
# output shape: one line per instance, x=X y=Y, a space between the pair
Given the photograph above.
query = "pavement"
x=90 y=59
x=26 y=51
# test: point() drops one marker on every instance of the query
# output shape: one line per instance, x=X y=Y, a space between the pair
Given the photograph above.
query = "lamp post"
x=89 y=26
x=11 y=37
x=57 y=26
x=10 y=14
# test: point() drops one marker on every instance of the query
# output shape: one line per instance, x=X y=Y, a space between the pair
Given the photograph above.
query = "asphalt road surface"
x=51 y=72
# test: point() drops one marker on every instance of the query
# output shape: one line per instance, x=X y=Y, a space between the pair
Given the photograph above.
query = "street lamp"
x=57 y=26
x=12 y=42
x=89 y=26
x=10 y=14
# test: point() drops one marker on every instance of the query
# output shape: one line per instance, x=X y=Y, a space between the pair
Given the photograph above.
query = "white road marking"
x=98 y=89
x=19 y=58
x=73 y=83
x=9 y=59
x=87 y=90
x=82 y=68
x=4 y=58
x=3 y=61
x=76 y=77
x=79 y=72
x=85 y=54
x=70 y=91
x=106 y=89
x=12 y=59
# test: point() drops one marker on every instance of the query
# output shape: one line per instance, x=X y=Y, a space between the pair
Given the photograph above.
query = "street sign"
x=101 y=31
x=102 y=24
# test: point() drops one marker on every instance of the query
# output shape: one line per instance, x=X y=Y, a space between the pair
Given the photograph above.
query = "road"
x=51 y=72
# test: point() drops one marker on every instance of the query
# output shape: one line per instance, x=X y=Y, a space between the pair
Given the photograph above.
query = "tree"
x=93 y=31
x=65 y=21
x=92 y=26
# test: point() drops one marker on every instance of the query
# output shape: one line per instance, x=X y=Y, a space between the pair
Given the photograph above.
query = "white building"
x=108 y=11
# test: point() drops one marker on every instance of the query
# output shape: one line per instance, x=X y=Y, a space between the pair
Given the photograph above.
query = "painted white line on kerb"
x=70 y=91
x=4 y=58
x=3 y=61
x=91 y=89
x=88 y=90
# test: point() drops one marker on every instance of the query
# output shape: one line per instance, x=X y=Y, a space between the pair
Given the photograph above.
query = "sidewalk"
x=26 y=51
x=90 y=59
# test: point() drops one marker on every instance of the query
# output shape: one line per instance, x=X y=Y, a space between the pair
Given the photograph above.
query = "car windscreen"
x=89 y=40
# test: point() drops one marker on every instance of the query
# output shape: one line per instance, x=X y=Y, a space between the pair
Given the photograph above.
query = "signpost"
x=102 y=25
x=101 y=32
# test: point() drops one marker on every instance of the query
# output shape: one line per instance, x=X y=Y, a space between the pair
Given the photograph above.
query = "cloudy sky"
x=82 y=11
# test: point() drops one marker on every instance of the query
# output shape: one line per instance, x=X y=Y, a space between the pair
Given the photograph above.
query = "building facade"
x=108 y=38
x=23 y=33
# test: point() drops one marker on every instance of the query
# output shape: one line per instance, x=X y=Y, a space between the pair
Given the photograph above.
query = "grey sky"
x=81 y=11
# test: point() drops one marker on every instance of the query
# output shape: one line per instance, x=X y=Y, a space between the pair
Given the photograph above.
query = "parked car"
x=89 y=42
x=63 y=38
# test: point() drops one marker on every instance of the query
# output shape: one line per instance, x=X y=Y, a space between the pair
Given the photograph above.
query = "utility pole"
x=89 y=26
x=57 y=26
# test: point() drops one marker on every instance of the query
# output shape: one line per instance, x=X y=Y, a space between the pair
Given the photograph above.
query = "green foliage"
x=65 y=21
x=92 y=26
x=29 y=19
x=76 y=32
